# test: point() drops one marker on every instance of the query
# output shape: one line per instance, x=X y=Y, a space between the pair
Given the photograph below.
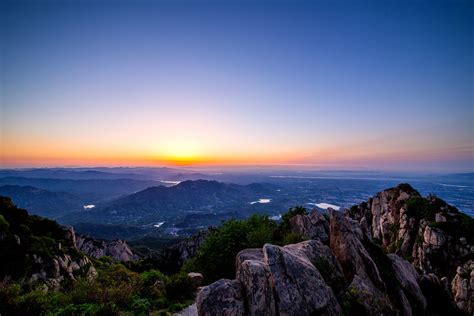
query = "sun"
x=181 y=153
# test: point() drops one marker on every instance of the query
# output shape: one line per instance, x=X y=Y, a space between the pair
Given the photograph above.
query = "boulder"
x=254 y=275
x=223 y=297
x=299 y=287
x=462 y=287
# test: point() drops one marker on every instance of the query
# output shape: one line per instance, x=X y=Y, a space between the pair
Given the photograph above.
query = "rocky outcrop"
x=426 y=230
x=391 y=255
x=53 y=272
x=116 y=249
x=170 y=259
x=408 y=279
x=282 y=281
x=311 y=226
x=462 y=287
x=433 y=235
x=224 y=297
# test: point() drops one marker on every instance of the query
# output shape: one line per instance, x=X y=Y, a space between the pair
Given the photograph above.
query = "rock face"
x=396 y=254
x=116 y=249
x=311 y=226
x=463 y=287
x=435 y=237
x=53 y=272
x=170 y=259
x=224 y=297
x=280 y=281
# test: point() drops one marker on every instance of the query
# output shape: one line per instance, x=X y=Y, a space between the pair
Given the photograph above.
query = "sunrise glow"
x=295 y=85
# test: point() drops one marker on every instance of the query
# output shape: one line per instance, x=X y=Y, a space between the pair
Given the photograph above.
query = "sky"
x=353 y=84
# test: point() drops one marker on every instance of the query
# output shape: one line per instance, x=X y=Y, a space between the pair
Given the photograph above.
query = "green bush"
x=215 y=259
x=3 y=224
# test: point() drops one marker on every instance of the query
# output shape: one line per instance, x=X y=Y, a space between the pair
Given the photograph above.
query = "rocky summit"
x=397 y=254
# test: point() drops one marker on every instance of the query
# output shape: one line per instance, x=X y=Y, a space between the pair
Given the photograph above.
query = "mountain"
x=93 y=173
x=38 y=250
x=188 y=198
x=42 y=202
x=91 y=190
x=47 y=269
x=396 y=254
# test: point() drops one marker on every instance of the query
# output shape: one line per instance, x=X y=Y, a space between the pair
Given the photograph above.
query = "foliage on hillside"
x=216 y=257
x=116 y=289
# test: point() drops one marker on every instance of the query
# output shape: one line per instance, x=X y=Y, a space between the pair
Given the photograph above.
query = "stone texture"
x=223 y=297
x=350 y=252
x=408 y=277
x=255 y=278
x=462 y=287
x=300 y=288
x=116 y=249
x=311 y=226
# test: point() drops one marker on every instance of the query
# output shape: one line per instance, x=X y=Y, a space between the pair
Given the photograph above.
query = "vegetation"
x=116 y=289
x=216 y=257
x=138 y=289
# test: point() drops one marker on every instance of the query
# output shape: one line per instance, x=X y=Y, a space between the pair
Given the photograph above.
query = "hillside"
x=189 y=198
x=396 y=254
x=43 y=202
x=46 y=269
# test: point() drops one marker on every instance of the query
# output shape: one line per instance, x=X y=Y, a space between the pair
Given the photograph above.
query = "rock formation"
x=170 y=259
x=396 y=254
x=116 y=249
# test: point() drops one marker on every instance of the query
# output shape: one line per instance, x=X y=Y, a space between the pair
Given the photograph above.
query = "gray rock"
x=367 y=295
x=255 y=278
x=462 y=287
x=311 y=226
x=117 y=249
x=408 y=278
x=298 y=285
x=350 y=252
x=223 y=297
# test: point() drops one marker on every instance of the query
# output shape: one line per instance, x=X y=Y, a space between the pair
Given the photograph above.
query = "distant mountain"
x=96 y=173
x=162 y=203
x=91 y=190
x=42 y=202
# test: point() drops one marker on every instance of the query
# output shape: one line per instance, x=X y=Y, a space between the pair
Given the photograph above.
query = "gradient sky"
x=383 y=85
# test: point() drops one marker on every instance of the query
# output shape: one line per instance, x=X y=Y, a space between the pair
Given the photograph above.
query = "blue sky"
x=352 y=84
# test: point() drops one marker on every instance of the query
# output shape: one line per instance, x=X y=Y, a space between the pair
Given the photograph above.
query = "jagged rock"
x=223 y=297
x=282 y=281
x=433 y=238
x=117 y=249
x=438 y=296
x=170 y=259
x=462 y=287
x=350 y=252
x=322 y=258
x=311 y=226
x=255 y=277
x=369 y=298
x=52 y=272
x=248 y=254
x=408 y=277
x=300 y=288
